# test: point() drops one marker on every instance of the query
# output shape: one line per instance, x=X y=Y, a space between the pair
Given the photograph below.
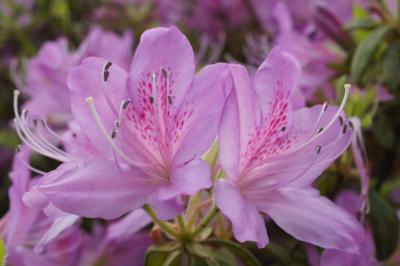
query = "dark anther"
x=318 y=149
x=344 y=129
x=18 y=148
x=320 y=130
x=125 y=103
x=74 y=135
x=151 y=99
x=351 y=125
x=313 y=35
x=341 y=120
x=283 y=128
x=113 y=133
x=106 y=74
x=326 y=106
x=107 y=66
x=170 y=99
x=164 y=72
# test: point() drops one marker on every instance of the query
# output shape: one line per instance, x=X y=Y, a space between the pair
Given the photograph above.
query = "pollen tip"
x=18 y=148
x=347 y=86
x=89 y=100
x=16 y=92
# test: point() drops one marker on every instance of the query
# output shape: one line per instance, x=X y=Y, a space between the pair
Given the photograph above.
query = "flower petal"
x=87 y=81
x=247 y=222
x=238 y=118
x=97 y=188
x=200 y=113
x=187 y=180
x=309 y=217
x=276 y=79
x=165 y=48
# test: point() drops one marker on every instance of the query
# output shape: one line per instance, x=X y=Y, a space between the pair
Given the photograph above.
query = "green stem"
x=181 y=223
x=164 y=226
x=206 y=220
x=192 y=218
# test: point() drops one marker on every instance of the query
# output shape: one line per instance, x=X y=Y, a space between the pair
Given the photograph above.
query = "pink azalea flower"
x=352 y=203
x=271 y=155
x=31 y=237
x=120 y=243
x=149 y=128
x=46 y=79
x=311 y=50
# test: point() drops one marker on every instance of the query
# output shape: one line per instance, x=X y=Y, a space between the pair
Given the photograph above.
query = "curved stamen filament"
x=99 y=122
x=27 y=165
x=37 y=143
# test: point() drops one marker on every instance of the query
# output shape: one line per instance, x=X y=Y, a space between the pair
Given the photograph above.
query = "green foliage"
x=3 y=253
x=385 y=225
x=366 y=51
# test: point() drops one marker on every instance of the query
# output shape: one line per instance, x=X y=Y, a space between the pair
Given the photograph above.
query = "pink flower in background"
x=46 y=78
x=31 y=237
x=150 y=128
x=308 y=47
x=120 y=243
x=215 y=17
x=352 y=203
x=271 y=155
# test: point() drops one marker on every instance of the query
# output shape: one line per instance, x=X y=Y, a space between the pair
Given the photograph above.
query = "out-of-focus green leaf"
x=383 y=131
x=391 y=66
x=245 y=255
x=156 y=255
x=8 y=138
x=172 y=259
x=209 y=256
x=365 y=52
x=385 y=225
x=3 y=253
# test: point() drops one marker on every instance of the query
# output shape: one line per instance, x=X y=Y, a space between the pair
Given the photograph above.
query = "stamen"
x=90 y=102
x=347 y=88
x=26 y=164
x=341 y=120
x=321 y=113
x=106 y=74
x=344 y=129
x=35 y=142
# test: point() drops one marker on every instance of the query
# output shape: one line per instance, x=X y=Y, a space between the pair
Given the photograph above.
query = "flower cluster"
x=156 y=153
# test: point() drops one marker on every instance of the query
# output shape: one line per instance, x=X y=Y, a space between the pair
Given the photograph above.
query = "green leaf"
x=383 y=131
x=391 y=66
x=157 y=254
x=203 y=253
x=244 y=254
x=172 y=258
x=3 y=253
x=385 y=225
x=366 y=51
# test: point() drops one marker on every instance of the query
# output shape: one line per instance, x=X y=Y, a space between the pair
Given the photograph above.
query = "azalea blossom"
x=271 y=155
x=46 y=74
x=145 y=131
x=32 y=237
x=352 y=203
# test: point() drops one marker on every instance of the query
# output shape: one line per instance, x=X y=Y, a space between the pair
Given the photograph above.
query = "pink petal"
x=87 y=81
x=247 y=222
x=200 y=113
x=187 y=180
x=164 y=48
x=276 y=79
x=309 y=217
x=238 y=118
x=97 y=188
